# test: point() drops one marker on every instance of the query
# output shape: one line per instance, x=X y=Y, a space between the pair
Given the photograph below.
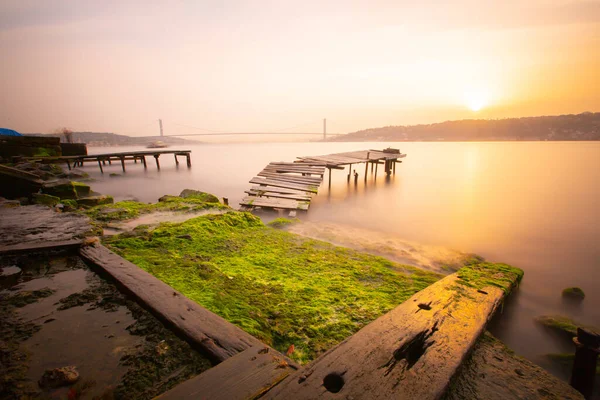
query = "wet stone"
x=58 y=377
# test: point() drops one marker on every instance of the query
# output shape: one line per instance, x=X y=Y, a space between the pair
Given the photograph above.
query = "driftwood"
x=215 y=337
x=411 y=352
x=246 y=375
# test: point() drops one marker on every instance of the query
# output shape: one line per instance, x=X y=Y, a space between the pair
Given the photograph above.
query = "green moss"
x=282 y=288
x=198 y=195
x=123 y=210
x=478 y=274
x=560 y=324
x=70 y=205
x=81 y=188
x=282 y=222
x=573 y=293
x=45 y=199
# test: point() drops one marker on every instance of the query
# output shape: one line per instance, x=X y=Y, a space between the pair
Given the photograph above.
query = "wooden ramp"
x=291 y=186
x=284 y=186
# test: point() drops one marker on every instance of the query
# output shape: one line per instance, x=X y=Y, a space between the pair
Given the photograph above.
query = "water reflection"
x=528 y=204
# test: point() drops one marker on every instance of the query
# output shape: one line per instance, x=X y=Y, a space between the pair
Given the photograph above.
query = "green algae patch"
x=480 y=274
x=282 y=288
x=573 y=293
x=124 y=210
x=562 y=325
x=198 y=195
x=282 y=222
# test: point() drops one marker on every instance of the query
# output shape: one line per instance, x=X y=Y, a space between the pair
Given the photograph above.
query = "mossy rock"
x=196 y=194
x=70 y=205
x=573 y=293
x=66 y=189
x=45 y=199
x=561 y=325
x=94 y=201
x=62 y=189
x=282 y=222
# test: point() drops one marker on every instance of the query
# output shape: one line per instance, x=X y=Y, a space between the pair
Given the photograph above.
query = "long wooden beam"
x=246 y=375
x=412 y=352
x=215 y=337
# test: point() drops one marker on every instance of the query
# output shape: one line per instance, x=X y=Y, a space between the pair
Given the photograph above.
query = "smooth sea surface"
x=534 y=205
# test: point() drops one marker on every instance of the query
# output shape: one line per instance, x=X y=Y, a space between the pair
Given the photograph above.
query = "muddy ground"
x=56 y=312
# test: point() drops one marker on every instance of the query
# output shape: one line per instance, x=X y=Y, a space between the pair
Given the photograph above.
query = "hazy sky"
x=258 y=65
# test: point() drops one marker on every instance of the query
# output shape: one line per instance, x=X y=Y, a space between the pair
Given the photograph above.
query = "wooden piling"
x=157 y=163
x=587 y=345
x=176 y=160
x=144 y=162
x=123 y=163
x=100 y=165
x=189 y=160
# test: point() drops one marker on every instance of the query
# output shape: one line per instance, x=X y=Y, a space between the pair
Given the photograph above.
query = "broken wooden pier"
x=134 y=156
x=292 y=185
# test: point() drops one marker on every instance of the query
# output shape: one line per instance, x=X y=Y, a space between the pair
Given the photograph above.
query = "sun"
x=476 y=100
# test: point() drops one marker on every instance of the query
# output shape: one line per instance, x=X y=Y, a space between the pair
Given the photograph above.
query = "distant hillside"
x=585 y=126
x=112 y=139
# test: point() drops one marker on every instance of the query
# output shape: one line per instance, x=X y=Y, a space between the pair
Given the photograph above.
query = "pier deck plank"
x=274 y=203
x=262 y=193
x=275 y=183
x=412 y=352
x=246 y=375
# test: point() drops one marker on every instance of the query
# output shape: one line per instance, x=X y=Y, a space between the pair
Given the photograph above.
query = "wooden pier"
x=291 y=186
x=134 y=156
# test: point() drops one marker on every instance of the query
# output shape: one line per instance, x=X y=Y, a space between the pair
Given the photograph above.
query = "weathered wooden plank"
x=293 y=165
x=291 y=178
x=246 y=375
x=295 y=170
x=279 y=190
x=275 y=183
x=217 y=338
x=259 y=193
x=274 y=203
x=411 y=352
x=32 y=247
x=293 y=174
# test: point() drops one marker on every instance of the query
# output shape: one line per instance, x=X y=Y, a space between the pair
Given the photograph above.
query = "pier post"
x=349 y=172
x=144 y=162
x=329 y=169
x=394 y=166
x=123 y=163
x=366 y=169
x=189 y=160
x=100 y=165
x=376 y=166
x=176 y=160
x=587 y=345
x=157 y=163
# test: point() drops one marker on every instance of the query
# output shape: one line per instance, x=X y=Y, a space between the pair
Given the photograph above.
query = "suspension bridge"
x=212 y=132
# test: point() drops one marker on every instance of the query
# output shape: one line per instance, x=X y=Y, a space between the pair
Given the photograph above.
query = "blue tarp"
x=9 y=132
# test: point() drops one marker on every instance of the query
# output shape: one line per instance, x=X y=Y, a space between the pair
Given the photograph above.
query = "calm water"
x=534 y=205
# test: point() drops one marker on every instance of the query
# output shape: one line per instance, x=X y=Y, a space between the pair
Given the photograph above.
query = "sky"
x=271 y=66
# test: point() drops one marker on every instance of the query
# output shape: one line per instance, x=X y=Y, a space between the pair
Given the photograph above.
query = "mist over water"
x=530 y=204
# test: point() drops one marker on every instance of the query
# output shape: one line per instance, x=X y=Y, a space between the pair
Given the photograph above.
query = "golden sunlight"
x=476 y=100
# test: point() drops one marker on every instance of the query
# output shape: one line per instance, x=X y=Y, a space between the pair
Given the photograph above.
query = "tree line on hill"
x=585 y=126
